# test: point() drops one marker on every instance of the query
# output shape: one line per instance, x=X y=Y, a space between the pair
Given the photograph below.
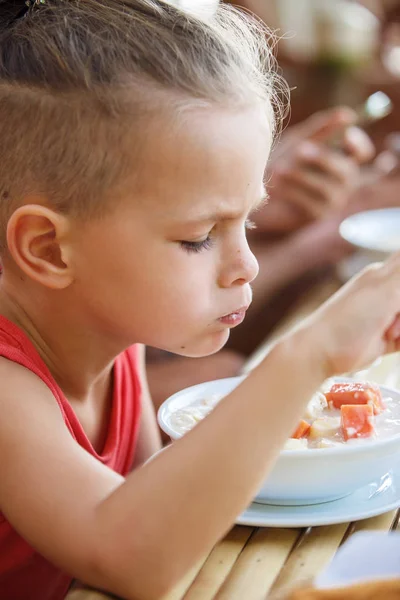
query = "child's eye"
x=197 y=246
x=208 y=242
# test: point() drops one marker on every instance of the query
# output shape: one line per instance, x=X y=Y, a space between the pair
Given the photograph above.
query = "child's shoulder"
x=27 y=412
x=21 y=387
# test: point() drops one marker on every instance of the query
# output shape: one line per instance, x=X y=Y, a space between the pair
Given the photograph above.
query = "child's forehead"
x=212 y=162
x=196 y=134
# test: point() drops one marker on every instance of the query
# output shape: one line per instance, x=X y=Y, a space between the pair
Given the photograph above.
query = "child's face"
x=173 y=259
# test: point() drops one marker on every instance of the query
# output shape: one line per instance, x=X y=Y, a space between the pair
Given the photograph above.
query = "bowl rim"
x=349 y=222
x=307 y=453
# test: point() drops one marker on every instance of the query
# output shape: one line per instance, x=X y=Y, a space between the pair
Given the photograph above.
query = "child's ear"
x=38 y=241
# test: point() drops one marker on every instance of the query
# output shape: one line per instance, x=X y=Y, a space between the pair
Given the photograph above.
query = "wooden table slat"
x=259 y=564
x=219 y=564
x=383 y=522
x=180 y=590
x=315 y=551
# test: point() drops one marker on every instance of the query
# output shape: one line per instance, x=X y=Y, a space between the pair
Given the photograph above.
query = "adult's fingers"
x=358 y=145
x=328 y=124
x=321 y=189
x=341 y=168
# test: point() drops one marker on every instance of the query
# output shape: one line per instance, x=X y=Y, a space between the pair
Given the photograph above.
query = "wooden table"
x=251 y=562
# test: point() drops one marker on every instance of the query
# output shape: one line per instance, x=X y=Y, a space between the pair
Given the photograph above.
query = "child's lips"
x=234 y=318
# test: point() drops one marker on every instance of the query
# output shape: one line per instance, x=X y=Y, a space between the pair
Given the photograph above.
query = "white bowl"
x=309 y=476
x=375 y=231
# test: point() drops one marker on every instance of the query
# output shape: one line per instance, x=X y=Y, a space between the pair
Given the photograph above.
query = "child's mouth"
x=234 y=318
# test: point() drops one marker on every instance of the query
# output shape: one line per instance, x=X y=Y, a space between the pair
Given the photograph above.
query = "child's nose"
x=242 y=269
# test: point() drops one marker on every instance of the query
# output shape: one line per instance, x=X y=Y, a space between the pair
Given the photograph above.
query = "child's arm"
x=149 y=434
x=137 y=538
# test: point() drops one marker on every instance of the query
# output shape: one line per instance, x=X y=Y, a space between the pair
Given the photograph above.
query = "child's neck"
x=79 y=358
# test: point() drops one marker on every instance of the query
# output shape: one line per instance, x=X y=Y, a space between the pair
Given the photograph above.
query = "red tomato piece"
x=302 y=430
x=355 y=393
x=357 y=420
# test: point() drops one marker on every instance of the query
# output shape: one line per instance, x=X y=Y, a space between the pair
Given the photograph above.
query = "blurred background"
x=336 y=52
x=332 y=52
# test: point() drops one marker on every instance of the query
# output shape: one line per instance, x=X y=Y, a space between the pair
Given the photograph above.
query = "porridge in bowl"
x=349 y=436
x=184 y=419
x=345 y=413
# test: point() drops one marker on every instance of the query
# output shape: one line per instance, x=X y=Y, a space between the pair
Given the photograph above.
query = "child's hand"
x=361 y=322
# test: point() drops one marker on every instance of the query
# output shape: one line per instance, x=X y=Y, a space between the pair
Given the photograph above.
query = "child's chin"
x=210 y=345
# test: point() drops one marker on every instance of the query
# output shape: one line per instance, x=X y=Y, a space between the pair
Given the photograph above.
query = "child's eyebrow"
x=226 y=215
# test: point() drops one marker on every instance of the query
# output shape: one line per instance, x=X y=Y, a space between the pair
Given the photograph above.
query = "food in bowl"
x=346 y=412
x=303 y=475
x=184 y=419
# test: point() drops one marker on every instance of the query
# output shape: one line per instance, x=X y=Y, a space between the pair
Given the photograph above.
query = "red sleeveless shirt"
x=24 y=574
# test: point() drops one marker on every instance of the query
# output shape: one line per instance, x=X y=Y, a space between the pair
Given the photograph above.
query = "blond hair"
x=77 y=78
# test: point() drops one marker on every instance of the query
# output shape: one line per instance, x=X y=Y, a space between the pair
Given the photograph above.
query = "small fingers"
x=392 y=334
x=385 y=278
x=394 y=259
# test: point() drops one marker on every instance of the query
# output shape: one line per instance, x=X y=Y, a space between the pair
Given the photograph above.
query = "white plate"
x=373 y=499
x=377 y=231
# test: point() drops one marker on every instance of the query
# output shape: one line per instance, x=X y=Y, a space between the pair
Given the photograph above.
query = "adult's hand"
x=308 y=178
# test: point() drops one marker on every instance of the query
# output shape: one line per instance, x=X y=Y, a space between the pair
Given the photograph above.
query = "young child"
x=134 y=141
